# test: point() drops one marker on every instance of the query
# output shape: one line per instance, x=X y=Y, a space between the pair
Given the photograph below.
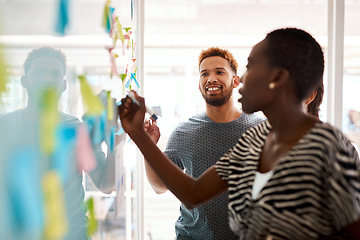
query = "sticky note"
x=133 y=77
x=62 y=17
x=64 y=151
x=107 y=16
x=119 y=32
x=56 y=225
x=85 y=156
x=92 y=223
x=3 y=74
x=95 y=107
x=110 y=138
x=110 y=107
x=24 y=192
x=120 y=131
x=114 y=70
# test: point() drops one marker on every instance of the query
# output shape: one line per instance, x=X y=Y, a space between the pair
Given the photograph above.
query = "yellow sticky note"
x=106 y=16
x=92 y=223
x=95 y=107
x=110 y=107
x=120 y=34
x=49 y=119
x=56 y=225
x=3 y=75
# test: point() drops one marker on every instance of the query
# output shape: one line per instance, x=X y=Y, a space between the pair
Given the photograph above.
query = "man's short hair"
x=215 y=51
x=44 y=52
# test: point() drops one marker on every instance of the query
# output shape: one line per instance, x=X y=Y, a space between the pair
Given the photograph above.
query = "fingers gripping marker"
x=131 y=95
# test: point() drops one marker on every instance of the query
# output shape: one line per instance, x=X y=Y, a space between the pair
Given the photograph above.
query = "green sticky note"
x=92 y=223
x=3 y=75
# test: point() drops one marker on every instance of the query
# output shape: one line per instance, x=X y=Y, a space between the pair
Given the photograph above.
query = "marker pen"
x=148 y=109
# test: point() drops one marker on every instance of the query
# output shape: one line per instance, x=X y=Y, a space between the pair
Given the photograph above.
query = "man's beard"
x=221 y=100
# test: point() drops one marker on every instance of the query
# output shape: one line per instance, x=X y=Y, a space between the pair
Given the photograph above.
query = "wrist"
x=137 y=134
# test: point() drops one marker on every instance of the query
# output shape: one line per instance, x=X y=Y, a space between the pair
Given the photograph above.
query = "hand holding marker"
x=131 y=95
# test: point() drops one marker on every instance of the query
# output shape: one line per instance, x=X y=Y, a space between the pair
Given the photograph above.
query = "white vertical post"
x=336 y=12
x=139 y=52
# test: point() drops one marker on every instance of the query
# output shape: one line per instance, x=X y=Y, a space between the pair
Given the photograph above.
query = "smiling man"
x=197 y=144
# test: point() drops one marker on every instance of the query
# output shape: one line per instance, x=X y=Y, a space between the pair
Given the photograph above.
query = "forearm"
x=103 y=176
x=153 y=179
x=184 y=187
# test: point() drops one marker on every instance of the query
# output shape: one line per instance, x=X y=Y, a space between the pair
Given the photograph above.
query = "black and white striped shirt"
x=313 y=193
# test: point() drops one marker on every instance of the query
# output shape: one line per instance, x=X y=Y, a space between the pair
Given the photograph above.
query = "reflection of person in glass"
x=290 y=177
x=45 y=69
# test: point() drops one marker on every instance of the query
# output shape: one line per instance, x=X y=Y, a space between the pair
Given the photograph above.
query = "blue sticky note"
x=133 y=77
x=110 y=138
x=64 y=151
x=90 y=122
x=120 y=131
x=63 y=17
x=128 y=83
x=25 y=195
x=109 y=20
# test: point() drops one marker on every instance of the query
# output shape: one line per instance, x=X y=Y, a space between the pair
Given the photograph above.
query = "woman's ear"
x=311 y=97
x=280 y=77
x=24 y=81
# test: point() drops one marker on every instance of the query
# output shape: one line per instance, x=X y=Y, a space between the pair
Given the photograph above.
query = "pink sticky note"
x=114 y=70
x=84 y=153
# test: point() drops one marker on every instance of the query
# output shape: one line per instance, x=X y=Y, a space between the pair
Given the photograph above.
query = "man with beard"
x=197 y=144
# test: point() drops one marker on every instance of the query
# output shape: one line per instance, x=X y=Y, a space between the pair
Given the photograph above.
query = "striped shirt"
x=313 y=193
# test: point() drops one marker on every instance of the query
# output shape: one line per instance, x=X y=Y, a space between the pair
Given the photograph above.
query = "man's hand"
x=152 y=129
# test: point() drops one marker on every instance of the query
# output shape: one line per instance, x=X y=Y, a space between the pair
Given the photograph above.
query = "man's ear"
x=24 y=81
x=236 y=81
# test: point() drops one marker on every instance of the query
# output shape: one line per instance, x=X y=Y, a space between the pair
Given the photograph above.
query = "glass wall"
x=27 y=25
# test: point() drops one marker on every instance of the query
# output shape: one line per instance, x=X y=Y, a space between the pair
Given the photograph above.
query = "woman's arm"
x=353 y=230
x=191 y=192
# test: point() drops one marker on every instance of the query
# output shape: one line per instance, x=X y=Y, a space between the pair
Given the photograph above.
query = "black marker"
x=131 y=95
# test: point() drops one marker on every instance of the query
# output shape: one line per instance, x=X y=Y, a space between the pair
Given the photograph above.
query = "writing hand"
x=132 y=115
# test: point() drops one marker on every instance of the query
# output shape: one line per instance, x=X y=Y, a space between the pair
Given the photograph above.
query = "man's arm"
x=153 y=131
x=103 y=176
